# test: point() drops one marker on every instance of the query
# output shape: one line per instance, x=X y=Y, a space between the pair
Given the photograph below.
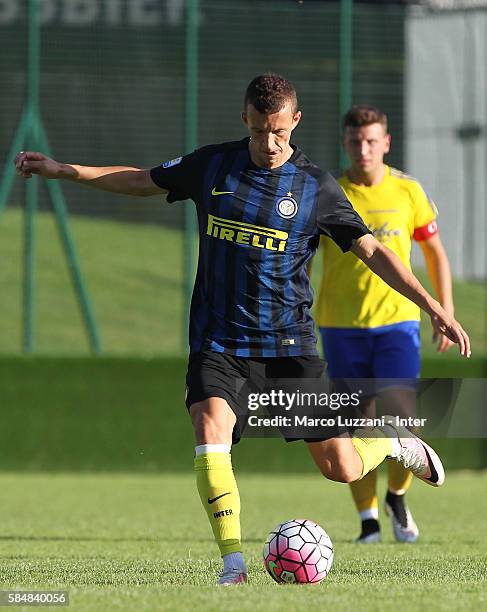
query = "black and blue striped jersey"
x=258 y=228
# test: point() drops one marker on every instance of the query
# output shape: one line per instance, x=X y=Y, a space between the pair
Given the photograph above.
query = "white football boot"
x=416 y=456
x=403 y=525
x=233 y=576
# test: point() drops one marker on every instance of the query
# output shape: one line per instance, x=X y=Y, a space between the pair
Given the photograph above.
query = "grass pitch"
x=141 y=542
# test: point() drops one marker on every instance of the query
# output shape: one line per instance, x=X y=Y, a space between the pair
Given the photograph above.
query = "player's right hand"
x=443 y=343
x=28 y=163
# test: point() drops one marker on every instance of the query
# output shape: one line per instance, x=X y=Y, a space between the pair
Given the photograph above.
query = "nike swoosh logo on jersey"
x=213 y=499
x=214 y=192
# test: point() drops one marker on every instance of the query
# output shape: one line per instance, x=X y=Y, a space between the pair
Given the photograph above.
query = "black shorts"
x=232 y=378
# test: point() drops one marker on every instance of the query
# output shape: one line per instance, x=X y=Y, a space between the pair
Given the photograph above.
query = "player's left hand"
x=451 y=329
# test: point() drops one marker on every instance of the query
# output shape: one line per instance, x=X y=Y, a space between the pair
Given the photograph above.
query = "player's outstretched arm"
x=439 y=273
x=117 y=179
x=390 y=268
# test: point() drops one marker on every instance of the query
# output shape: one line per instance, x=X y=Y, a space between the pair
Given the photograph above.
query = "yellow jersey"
x=396 y=211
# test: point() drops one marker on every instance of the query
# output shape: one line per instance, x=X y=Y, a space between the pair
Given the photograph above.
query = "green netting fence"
x=138 y=82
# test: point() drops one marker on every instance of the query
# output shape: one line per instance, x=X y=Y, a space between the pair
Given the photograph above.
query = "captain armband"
x=425 y=232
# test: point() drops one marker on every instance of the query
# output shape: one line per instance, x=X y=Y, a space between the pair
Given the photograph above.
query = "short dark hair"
x=269 y=93
x=361 y=115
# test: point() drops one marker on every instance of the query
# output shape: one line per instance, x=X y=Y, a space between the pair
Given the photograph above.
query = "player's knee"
x=339 y=470
x=207 y=429
x=344 y=472
x=337 y=465
x=211 y=426
x=335 y=460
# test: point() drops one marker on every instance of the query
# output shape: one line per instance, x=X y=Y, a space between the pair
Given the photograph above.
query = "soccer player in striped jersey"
x=368 y=329
x=262 y=206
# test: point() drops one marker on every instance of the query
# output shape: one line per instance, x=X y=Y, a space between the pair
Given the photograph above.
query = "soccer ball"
x=298 y=551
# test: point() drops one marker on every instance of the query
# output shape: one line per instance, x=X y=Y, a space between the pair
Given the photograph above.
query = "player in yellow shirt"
x=367 y=328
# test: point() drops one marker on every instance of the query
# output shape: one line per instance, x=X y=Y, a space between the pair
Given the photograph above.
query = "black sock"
x=396 y=502
x=369 y=526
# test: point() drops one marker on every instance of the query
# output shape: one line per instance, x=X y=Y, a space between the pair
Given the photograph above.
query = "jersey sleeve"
x=182 y=177
x=425 y=213
x=336 y=217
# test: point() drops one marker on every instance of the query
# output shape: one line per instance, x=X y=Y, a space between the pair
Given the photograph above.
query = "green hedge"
x=120 y=414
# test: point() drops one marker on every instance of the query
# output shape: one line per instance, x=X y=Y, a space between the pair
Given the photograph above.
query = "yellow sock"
x=400 y=479
x=219 y=495
x=364 y=493
x=372 y=448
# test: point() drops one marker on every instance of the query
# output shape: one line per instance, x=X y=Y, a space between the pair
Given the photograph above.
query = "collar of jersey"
x=368 y=188
x=277 y=170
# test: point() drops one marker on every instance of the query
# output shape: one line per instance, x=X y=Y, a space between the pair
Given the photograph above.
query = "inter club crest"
x=286 y=207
